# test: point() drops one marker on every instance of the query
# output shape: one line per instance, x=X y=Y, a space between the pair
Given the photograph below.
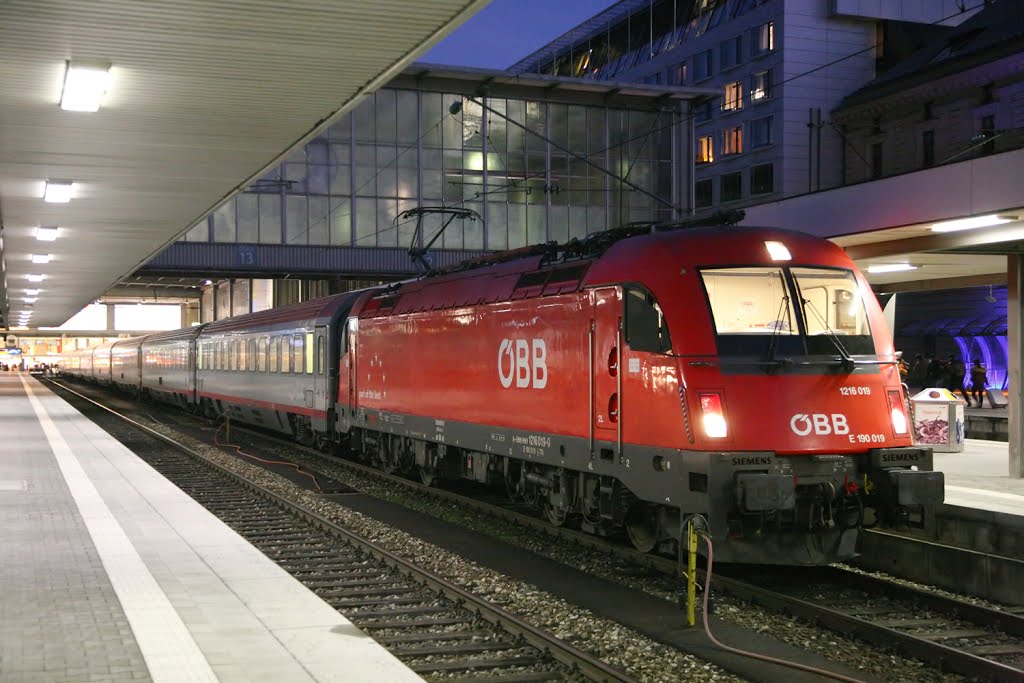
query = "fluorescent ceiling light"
x=972 y=223
x=46 y=234
x=58 y=191
x=890 y=268
x=29 y=300
x=778 y=251
x=34 y=277
x=41 y=258
x=32 y=292
x=84 y=86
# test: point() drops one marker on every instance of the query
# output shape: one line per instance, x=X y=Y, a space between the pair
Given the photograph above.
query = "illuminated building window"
x=733 y=96
x=678 y=74
x=732 y=140
x=762 y=39
x=705 y=149
x=761 y=86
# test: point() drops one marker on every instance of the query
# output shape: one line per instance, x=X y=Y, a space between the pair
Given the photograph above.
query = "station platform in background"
x=109 y=572
x=978 y=478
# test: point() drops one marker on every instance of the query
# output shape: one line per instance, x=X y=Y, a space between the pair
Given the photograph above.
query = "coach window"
x=645 y=324
x=297 y=354
x=320 y=356
x=309 y=353
x=253 y=355
x=261 y=354
x=286 y=354
x=275 y=345
x=233 y=354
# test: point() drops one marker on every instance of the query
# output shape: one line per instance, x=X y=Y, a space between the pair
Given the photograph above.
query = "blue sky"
x=507 y=30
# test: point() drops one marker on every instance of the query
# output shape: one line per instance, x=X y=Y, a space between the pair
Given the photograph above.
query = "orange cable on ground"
x=298 y=468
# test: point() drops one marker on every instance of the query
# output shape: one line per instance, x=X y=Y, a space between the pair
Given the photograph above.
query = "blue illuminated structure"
x=970 y=323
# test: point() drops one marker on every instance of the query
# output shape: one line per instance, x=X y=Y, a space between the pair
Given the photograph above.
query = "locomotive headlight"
x=713 y=417
x=897 y=413
x=777 y=250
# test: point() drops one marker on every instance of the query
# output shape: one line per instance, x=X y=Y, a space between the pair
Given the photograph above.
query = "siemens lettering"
x=516 y=363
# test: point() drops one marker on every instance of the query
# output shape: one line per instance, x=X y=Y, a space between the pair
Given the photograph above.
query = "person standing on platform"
x=957 y=372
x=918 y=372
x=979 y=379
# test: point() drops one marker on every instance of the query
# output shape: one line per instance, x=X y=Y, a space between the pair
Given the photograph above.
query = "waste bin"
x=938 y=420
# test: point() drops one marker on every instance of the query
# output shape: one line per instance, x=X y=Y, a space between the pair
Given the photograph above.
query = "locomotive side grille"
x=686 y=412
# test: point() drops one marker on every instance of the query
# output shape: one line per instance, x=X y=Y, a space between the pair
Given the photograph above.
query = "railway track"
x=950 y=634
x=439 y=630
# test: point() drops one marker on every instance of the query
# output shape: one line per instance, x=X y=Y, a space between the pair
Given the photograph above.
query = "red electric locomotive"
x=744 y=374
x=621 y=382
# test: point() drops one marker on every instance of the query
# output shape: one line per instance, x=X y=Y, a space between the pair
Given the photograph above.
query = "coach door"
x=320 y=373
x=347 y=371
x=606 y=378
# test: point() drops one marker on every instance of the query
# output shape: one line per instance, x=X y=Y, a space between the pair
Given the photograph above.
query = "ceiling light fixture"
x=85 y=83
x=41 y=258
x=34 y=277
x=58 y=191
x=46 y=234
x=972 y=223
x=891 y=268
x=32 y=292
x=29 y=300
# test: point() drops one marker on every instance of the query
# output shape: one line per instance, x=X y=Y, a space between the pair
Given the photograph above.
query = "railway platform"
x=977 y=478
x=110 y=572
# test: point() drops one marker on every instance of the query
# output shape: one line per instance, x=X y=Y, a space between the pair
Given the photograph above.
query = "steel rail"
x=588 y=665
x=936 y=654
x=941 y=656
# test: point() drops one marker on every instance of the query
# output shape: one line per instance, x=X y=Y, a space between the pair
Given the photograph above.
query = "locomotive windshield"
x=787 y=311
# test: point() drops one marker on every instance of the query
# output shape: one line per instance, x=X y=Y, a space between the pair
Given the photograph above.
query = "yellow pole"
x=691 y=573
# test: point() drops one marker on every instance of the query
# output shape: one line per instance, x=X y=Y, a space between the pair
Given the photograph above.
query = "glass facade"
x=504 y=158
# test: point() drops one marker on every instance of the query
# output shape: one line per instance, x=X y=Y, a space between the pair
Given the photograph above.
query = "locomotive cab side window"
x=645 y=323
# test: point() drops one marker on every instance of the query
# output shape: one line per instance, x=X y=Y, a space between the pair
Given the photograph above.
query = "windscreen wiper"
x=777 y=324
x=846 y=360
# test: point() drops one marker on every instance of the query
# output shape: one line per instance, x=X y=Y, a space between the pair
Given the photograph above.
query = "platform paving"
x=108 y=572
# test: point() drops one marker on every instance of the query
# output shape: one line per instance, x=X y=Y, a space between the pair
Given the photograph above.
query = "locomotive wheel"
x=554 y=515
x=642 y=527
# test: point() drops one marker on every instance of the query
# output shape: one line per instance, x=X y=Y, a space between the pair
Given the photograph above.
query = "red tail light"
x=713 y=416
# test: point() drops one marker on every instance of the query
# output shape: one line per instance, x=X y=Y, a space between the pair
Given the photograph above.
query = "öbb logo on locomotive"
x=821 y=425
x=516 y=363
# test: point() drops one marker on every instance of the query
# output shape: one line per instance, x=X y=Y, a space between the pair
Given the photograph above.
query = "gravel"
x=643 y=658
x=621 y=647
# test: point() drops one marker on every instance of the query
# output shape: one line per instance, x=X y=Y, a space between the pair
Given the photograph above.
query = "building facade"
x=780 y=66
x=533 y=158
x=960 y=97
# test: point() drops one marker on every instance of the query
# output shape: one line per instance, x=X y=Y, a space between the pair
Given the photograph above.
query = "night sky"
x=505 y=31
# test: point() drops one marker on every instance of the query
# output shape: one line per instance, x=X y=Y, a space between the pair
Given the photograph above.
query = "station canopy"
x=199 y=98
